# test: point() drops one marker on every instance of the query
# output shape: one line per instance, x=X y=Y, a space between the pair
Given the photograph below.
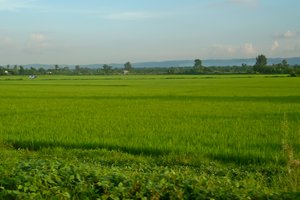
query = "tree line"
x=260 y=67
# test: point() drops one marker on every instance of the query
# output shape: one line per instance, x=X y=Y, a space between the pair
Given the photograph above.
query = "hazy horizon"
x=116 y=31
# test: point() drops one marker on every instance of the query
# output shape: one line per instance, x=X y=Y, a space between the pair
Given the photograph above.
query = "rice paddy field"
x=150 y=137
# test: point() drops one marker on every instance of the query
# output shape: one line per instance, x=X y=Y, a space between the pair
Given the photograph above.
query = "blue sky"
x=110 y=31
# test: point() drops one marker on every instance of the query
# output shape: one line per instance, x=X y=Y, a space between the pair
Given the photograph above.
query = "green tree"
x=128 y=66
x=21 y=70
x=77 y=69
x=32 y=71
x=41 y=70
x=198 y=67
x=261 y=63
x=2 y=70
x=107 y=69
x=56 y=67
x=284 y=63
x=15 y=70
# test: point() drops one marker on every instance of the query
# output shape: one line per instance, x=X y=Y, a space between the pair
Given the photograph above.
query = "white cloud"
x=275 y=45
x=38 y=37
x=248 y=49
x=225 y=51
x=36 y=43
x=15 y=5
x=287 y=35
x=32 y=44
x=231 y=50
x=285 y=43
x=5 y=40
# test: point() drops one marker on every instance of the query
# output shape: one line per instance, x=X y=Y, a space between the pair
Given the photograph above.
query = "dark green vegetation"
x=260 y=67
x=160 y=137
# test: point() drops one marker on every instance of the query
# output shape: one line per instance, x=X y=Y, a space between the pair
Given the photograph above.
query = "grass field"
x=207 y=136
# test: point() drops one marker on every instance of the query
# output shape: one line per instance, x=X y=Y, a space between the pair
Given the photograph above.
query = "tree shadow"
x=38 y=145
x=268 y=99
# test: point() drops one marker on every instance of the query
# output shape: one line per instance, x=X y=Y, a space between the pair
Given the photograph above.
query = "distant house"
x=125 y=72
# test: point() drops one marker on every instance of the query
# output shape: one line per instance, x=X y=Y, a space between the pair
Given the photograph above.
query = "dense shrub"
x=57 y=179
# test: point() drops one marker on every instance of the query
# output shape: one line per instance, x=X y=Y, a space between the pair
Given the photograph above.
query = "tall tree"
x=261 y=60
x=284 y=63
x=15 y=70
x=56 y=67
x=2 y=70
x=107 y=69
x=77 y=69
x=128 y=66
x=198 y=67
x=21 y=70
x=261 y=63
x=41 y=70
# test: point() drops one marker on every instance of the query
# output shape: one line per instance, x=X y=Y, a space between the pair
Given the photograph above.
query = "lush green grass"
x=171 y=121
x=221 y=118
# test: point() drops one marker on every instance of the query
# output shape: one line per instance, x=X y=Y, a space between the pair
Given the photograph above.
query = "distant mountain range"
x=213 y=62
x=179 y=63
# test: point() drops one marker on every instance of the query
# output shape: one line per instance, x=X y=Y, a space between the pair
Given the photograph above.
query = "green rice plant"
x=221 y=118
x=159 y=137
x=293 y=164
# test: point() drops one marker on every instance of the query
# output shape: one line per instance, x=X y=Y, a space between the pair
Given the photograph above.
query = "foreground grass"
x=149 y=136
x=73 y=174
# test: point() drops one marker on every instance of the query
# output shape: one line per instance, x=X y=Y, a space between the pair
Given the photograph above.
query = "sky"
x=117 y=31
